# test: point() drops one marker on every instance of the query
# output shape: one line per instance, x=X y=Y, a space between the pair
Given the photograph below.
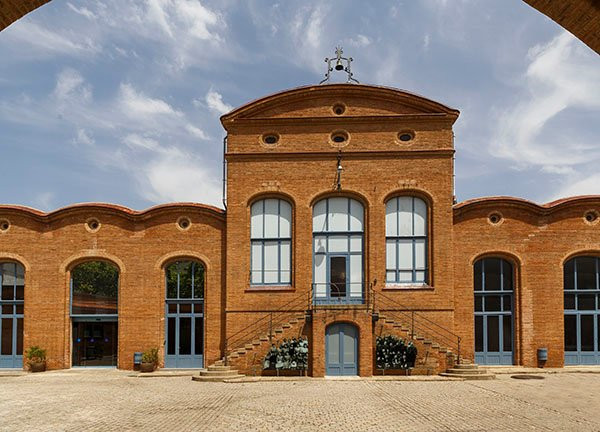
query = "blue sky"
x=119 y=101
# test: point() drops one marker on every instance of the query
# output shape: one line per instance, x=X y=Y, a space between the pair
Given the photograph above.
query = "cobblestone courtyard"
x=101 y=400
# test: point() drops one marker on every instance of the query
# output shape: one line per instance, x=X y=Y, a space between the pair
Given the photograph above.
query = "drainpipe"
x=224 y=173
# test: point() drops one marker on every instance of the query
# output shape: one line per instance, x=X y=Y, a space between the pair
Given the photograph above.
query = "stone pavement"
x=103 y=400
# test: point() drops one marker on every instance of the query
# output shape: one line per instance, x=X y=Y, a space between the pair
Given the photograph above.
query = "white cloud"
x=198 y=18
x=135 y=141
x=84 y=138
x=196 y=132
x=137 y=104
x=215 y=103
x=82 y=11
x=582 y=186
x=360 y=41
x=562 y=76
x=71 y=84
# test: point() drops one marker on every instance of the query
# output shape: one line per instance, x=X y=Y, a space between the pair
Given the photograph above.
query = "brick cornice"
x=499 y=202
x=346 y=154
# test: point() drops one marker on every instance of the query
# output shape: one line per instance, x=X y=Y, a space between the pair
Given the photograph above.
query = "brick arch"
x=170 y=257
x=582 y=252
x=416 y=192
x=12 y=257
x=271 y=194
x=580 y=17
x=344 y=193
x=91 y=255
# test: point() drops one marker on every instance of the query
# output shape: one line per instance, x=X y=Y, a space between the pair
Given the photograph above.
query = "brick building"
x=340 y=225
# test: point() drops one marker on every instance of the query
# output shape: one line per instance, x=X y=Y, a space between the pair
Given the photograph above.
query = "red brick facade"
x=301 y=169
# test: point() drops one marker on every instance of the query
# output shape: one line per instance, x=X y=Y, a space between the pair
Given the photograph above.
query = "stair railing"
x=267 y=323
x=418 y=322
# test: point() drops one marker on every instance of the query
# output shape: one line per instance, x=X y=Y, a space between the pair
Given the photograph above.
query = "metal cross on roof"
x=339 y=65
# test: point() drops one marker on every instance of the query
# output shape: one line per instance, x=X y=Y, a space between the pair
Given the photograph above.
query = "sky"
x=119 y=100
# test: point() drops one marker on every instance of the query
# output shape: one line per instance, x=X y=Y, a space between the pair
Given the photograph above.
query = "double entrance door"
x=341 y=350
x=185 y=334
x=95 y=343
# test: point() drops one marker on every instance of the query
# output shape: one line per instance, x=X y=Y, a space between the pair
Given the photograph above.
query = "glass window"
x=95 y=286
x=271 y=242
x=185 y=280
x=406 y=240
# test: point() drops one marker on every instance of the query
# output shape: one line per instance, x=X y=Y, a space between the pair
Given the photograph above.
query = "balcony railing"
x=335 y=293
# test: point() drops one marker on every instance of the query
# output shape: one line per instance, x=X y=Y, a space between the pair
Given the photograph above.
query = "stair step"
x=486 y=376
x=427 y=342
x=256 y=342
x=264 y=338
x=389 y=321
x=249 y=347
x=286 y=326
x=219 y=363
x=435 y=345
x=294 y=321
x=466 y=366
x=278 y=330
x=443 y=350
x=419 y=338
x=215 y=378
x=216 y=367
x=218 y=373
x=467 y=371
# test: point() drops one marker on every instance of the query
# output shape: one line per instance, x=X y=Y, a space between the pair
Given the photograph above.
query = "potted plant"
x=36 y=359
x=149 y=360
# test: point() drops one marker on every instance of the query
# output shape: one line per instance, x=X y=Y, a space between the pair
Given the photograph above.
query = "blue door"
x=12 y=288
x=185 y=335
x=493 y=279
x=341 y=350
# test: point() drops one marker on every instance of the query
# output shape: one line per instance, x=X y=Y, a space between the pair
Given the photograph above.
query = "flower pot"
x=37 y=366
x=147 y=367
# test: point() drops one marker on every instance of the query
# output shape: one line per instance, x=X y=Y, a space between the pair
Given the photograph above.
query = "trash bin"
x=542 y=354
x=137 y=358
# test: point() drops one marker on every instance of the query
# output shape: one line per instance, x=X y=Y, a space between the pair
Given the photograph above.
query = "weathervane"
x=339 y=65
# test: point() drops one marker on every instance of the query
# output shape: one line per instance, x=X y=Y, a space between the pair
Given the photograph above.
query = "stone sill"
x=270 y=288
x=407 y=287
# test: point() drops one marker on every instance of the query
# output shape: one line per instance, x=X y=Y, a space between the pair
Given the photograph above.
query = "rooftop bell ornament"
x=339 y=65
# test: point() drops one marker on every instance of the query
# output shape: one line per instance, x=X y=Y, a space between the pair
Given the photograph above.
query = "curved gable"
x=317 y=101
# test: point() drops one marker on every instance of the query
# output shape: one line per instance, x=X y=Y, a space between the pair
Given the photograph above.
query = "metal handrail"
x=418 y=322
x=270 y=320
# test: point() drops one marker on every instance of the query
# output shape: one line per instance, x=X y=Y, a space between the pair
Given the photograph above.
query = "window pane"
x=320 y=244
x=390 y=276
x=7 y=309
x=570 y=333
x=333 y=348
x=6 y=336
x=19 y=336
x=171 y=336
x=391 y=218
x=256 y=262
x=338 y=277
x=477 y=275
x=491 y=267
x=356 y=216
x=405 y=212
x=479 y=333
x=569 y=301
x=507 y=276
x=586 y=272
x=493 y=334
x=338 y=214
x=338 y=244
x=8 y=274
x=507 y=333
x=198 y=280
x=185 y=308
x=285 y=220
x=405 y=276
x=348 y=354
x=420 y=276
x=271 y=262
x=586 y=302
x=19 y=309
x=271 y=218
x=587 y=332
x=20 y=292
x=506 y=303
x=420 y=254
x=198 y=308
x=569 y=275
x=185 y=279
x=390 y=254
x=319 y=216
x=285 y=272
x=185 y=336
x=256 y=220
x=95 y=288
x=492 y=303
x=405 y=254
x=171 y=275
x=199 y=336
x=420 y=217
x=356 y=243
x=172 y=308
x=8 y=292
x=356 y=276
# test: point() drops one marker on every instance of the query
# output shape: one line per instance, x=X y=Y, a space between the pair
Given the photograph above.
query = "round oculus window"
x=591 y=216
x=339 y=109
x=184 y=223
x=495 y=218
x=4 y=225
x=270 y=139
x=406 y=136
x=339 y=137
x=92 y=224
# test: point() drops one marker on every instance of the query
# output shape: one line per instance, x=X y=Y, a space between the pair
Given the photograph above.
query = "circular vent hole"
x=184 y=223
x=339 y=109
x=405 y=136
x=270 y=139
x=591 y=216
x=4 y=225
x=339 y=137
x=93 y=224
x=495 y=218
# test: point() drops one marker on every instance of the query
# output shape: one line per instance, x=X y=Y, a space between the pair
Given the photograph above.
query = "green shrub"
x=150 y=356
x=35 y=354
x=290 y=354
x=391 y=352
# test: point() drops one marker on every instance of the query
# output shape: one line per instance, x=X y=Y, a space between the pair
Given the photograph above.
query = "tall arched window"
x=12 y=294
x=185 y=314
x=94 y=313
x=338 y=251
x=271 y=238
x=582 y=310
x=406 y=240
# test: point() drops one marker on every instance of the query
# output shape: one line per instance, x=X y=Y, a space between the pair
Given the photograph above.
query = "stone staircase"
x=468 y=372
x=217 y=373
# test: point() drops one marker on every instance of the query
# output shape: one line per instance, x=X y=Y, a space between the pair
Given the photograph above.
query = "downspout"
x=224 y=173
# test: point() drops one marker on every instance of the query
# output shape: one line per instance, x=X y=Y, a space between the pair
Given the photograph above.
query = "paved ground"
x=102 y=400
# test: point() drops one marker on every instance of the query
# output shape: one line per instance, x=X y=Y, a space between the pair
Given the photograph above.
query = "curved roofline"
x=113 y=208
x=524 y=203
x=389 y=91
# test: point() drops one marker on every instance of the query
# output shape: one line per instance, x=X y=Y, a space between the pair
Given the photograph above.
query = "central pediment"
x=339 y=100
